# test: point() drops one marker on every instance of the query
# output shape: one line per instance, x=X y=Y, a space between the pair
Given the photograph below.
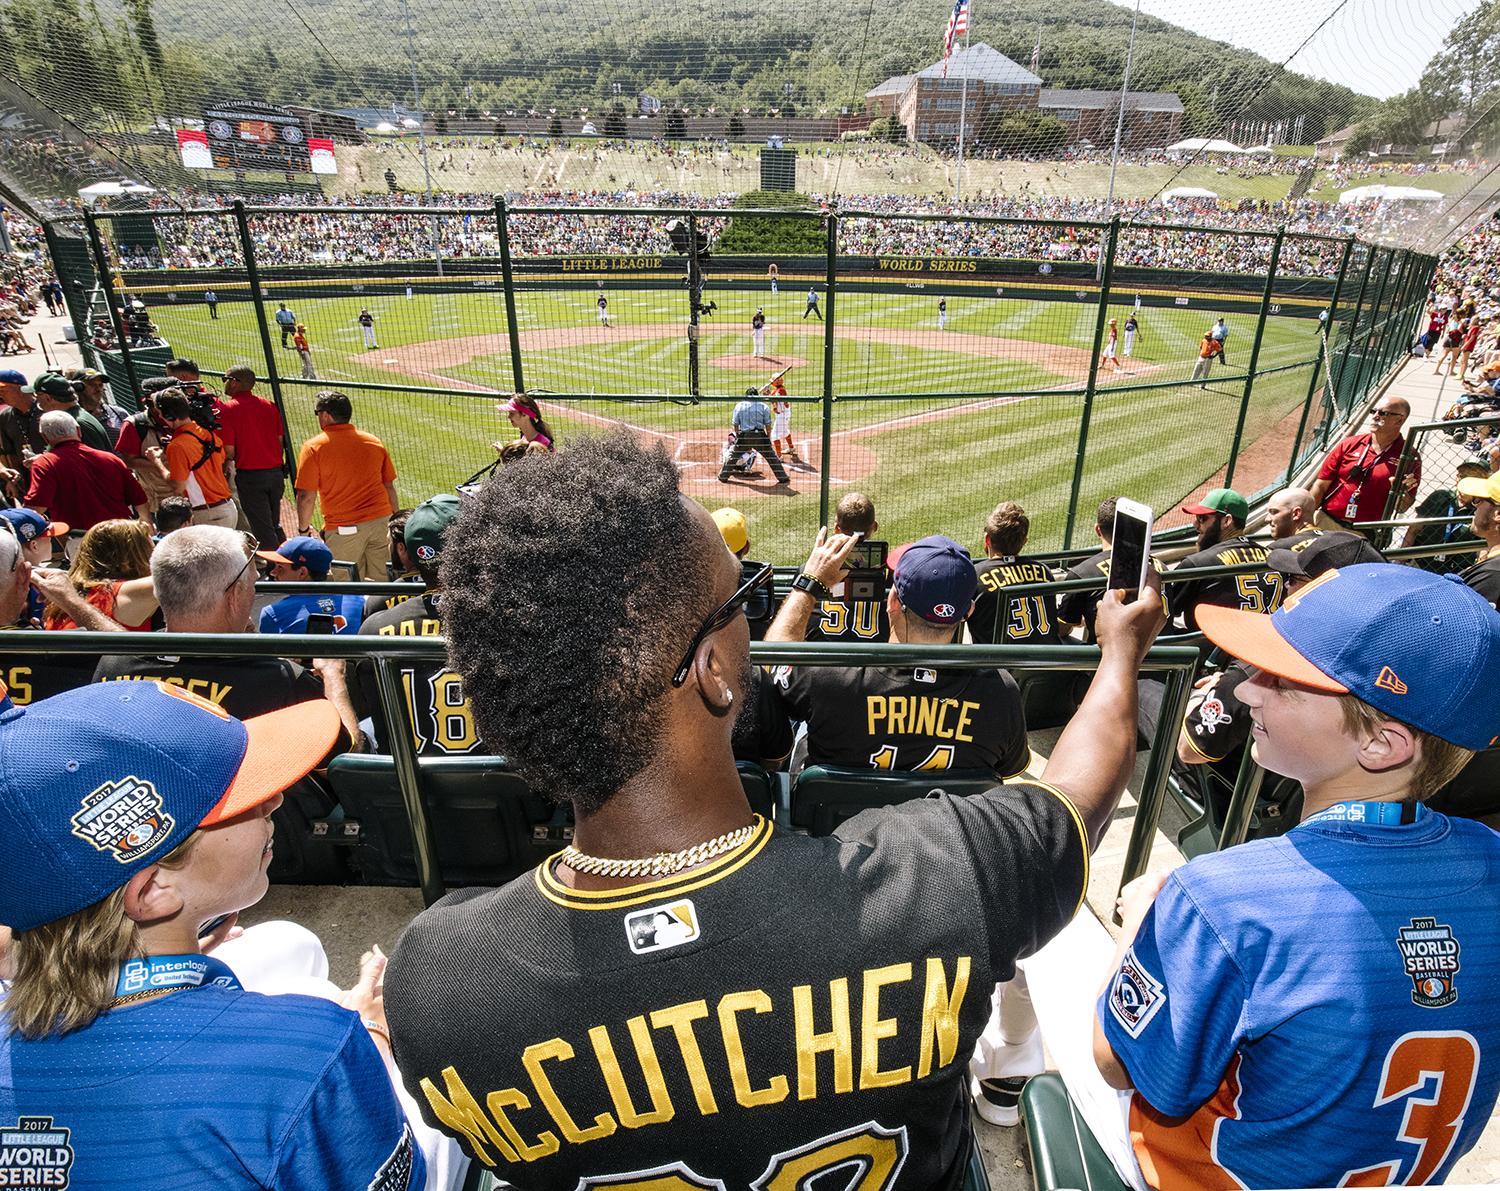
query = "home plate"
x=390 y=361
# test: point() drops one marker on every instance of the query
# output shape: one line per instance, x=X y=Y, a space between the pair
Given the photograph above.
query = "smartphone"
x=212 y=925
x=321 y=624
x=866 y=556
x=1130 y=549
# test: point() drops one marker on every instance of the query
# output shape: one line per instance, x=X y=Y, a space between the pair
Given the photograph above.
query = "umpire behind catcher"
x=751 y=424
x=686 y=989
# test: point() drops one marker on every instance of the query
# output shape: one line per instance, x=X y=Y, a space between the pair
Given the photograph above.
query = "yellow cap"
x=733 y=530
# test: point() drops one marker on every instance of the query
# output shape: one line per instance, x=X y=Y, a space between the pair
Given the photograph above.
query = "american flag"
x=958 y=24
x=1036 y=53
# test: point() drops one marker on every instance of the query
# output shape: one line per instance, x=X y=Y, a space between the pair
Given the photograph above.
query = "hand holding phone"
x=1130 y=546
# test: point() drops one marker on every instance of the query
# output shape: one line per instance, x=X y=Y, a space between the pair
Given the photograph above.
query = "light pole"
x=416 y=92
x=1114 y=158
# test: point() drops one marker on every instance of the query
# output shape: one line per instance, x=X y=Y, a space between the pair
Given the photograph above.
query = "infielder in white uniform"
x=758 y=332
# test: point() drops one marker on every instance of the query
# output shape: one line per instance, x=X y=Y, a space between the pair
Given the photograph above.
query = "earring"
x=729 y=696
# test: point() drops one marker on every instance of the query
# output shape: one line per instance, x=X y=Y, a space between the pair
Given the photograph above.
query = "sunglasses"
x=721 y=616
x=249 y=558
x=1387 y=413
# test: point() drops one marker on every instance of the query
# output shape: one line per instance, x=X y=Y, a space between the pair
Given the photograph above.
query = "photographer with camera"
x=1355 y=480
x=193 y=461
x=146 y=431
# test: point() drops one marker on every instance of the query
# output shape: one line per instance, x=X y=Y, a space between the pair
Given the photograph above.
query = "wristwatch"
x=813 y=587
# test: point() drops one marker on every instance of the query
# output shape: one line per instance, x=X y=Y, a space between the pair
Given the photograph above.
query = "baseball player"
x=1219 y=520
x=812 y=305
x=366 y=322
x=751 y=420
x=603 y=304
x=1132 y=327
x=1220 y=333
x=1032 y=620
x=758 y=332
x=942 y=313
x=1111 y=355
x=774 y=274
x=781 y=426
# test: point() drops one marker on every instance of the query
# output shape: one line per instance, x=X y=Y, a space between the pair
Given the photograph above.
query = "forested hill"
x=514 y=55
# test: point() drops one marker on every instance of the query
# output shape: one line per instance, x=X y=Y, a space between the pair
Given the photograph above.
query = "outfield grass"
x=943 y=473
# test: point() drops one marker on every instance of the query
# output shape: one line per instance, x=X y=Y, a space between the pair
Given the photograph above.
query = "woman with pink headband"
x=524 y=415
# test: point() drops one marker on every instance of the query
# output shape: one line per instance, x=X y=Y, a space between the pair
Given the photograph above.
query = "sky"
x=1376 y=47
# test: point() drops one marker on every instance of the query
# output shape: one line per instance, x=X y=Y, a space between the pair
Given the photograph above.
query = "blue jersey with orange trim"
x=1315 y=1010
x=289 y=614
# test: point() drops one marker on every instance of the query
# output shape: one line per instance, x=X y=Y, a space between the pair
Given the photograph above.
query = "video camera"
x=707 y=308
x=202 y=401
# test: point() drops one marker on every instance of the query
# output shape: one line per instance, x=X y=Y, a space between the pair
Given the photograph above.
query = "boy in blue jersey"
x=306 y=560
x=1318 y=1009
x=139 y=814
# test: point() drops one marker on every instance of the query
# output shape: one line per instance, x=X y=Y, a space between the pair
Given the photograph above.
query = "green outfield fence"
x=937 y=415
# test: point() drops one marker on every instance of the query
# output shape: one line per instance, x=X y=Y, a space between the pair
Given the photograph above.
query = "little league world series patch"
x=35 y=1153
x=1135 y=995
x=1429 y=953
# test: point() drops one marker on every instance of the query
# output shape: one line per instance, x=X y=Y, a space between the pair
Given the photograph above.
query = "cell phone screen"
x=320 y=623
x=1130 y=547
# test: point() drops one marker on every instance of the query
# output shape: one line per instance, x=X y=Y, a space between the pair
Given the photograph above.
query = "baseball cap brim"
x=272 y=556
x=1199 y=510
x=1285 y=562
x=1473 y=486
x=282 y=748
x=55 y=529
x=1252 y=637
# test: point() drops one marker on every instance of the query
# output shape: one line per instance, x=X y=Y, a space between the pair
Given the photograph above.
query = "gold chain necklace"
x=663 y=864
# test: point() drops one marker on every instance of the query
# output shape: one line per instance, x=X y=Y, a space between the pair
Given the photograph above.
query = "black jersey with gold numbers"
x=910 y=718
x=787 y=1013
x=1029 y=620
x=244 y=687
x=1255 y=591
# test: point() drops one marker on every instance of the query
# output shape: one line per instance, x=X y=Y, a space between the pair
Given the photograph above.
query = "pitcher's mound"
x=758 y=363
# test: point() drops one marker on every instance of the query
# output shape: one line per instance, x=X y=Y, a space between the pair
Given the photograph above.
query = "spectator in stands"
x=1236 y=977
x=1289 y=514
x=351 y=472
x=20 y=432
x=441 y=718
x=526 y=416
x=173 y=513
x=1484 y=574
x=842 y=618
x=90 y=387
x=641 y=683
x=113 y=573
x=733 y=529
x=1032 y=619
x=112 y=978
x=1079 y=607
x=37 y=537
x=400 y=569
x=736 y=534
x=142 y=432
x=1354 y=482
x=1448 y=502
x=193 y=461
x=896 y=717
x=307 y=560
x=78 y=485
x=254 y=436
x=55 y=392
x=1219 y=521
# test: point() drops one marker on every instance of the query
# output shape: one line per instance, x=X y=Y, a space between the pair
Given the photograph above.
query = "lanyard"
x=1375 y=814
x=166 y=973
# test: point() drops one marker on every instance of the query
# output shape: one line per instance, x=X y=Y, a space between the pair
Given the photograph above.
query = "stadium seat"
x=1064 y=1153
x=1050 y=699
x=760 y=788
x=826 y=795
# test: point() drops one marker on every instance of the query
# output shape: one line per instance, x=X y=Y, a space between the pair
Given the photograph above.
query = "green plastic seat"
x=826 y=795
x=1064 y=1153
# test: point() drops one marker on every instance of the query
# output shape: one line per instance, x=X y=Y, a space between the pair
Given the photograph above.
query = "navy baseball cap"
x=312 y=553
x=30 y=525
x=935 y=578
x=1421 y=648
x=101 y=782
x=9 y=376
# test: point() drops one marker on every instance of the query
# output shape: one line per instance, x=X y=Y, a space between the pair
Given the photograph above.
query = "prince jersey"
x=1315 y=1010
x=797 y=1006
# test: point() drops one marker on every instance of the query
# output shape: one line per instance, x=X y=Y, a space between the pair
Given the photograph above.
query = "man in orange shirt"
x=352 y=473
x=193 y=462
x=1207 y=350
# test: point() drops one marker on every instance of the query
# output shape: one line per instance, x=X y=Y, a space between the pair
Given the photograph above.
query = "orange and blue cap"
x=1421 y=648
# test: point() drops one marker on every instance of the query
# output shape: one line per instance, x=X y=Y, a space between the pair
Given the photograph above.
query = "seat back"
x=1049 y=698
x=760 y=788
x=1064 y=1153
x=826 y=795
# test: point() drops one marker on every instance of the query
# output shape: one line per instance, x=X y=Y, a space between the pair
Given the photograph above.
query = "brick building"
x=1153 y=119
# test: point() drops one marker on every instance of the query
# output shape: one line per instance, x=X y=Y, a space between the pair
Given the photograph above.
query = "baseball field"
x=936 y=424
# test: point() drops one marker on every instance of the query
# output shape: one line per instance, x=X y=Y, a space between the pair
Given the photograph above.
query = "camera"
x=707 y=308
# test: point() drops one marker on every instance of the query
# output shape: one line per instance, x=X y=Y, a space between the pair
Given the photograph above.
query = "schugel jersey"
x=797 y=1008
x=1032 y=620
x=896 y=718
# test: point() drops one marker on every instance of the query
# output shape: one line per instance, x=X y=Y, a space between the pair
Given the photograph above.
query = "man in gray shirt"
x=752 y=421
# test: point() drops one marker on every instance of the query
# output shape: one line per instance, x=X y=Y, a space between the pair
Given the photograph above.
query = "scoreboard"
x=255 y=136
x=778 y=169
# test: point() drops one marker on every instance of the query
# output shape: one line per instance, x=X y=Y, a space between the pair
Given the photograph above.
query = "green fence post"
x=1088 y=393
x=1376 y=308
x=502 y=229
x=107 y=288
x=829 y=279
x=1341 y=365
x=1314 y=392
x=54 y=250
x=252 y=275
x=1260 y=334
x=409 y=778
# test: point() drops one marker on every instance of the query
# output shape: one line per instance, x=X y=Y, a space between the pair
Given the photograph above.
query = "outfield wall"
x=938 y=416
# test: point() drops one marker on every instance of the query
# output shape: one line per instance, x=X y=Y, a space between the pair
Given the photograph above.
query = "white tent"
x=1389 y=194
x=92 y=194
x=1188 y=192
x=1203 y=144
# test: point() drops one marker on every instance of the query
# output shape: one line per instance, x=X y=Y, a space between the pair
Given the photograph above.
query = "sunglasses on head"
x=721 y=616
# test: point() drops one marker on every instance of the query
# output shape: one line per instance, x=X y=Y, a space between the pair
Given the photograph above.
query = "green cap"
x=1221 y=500
x=426 y=526
x=55 y=385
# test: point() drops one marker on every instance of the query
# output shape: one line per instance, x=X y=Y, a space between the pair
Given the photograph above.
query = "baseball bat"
x=776 y=378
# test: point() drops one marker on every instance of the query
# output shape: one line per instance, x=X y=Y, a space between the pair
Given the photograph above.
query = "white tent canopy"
x=1389 y=194
x=99 y=190
x=1178 y=192
x=1203 y=144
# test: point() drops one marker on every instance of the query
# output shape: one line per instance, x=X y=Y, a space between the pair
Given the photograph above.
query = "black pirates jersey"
x=379 y=603
x=1030 y=620
x=1253 y=592
x=244 y=687
x=441 y=718
x=32 y=677
x=849 y=620
x=797 y=1007
x=902 y=718
x=1080 y=607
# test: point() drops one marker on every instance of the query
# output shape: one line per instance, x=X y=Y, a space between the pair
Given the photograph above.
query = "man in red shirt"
x=1355 y=480
x=253 y=434
x=78 y=484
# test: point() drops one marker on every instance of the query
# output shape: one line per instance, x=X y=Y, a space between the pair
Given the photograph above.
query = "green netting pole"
x=54 y=250
x=507 y=279
x=252 y=274
x=1313 y=390
x=1088 y=393
x=107 y=288
x=829 y=283
x=1342 y=364
x=1260 y=334
x=1376 y=309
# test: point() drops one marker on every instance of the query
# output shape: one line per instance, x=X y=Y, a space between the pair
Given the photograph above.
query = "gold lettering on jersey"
x=873 y=1028
x=614 y=1078
x=940 y=1013
x=412 y=628
x=1014 y=574
x=920 y=715
x=461 y=1114
x=755 y=1001
x=546 y=1142
x=214 y=692
x=838 y=1041
x=556 y=1049
x=679 y=1019
x=1241 y=556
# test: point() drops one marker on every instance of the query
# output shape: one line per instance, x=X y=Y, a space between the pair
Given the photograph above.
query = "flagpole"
x=1114 y=157
x=963 y=111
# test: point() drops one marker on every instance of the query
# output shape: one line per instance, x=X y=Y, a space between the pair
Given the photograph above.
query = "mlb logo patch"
x=124 y=818
x=662 y=927
x=1135 y=995
x=922 y=674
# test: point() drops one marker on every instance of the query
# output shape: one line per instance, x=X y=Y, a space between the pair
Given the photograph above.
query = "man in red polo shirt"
x=78 y=484
x=1355 y=480
x=252 y=431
